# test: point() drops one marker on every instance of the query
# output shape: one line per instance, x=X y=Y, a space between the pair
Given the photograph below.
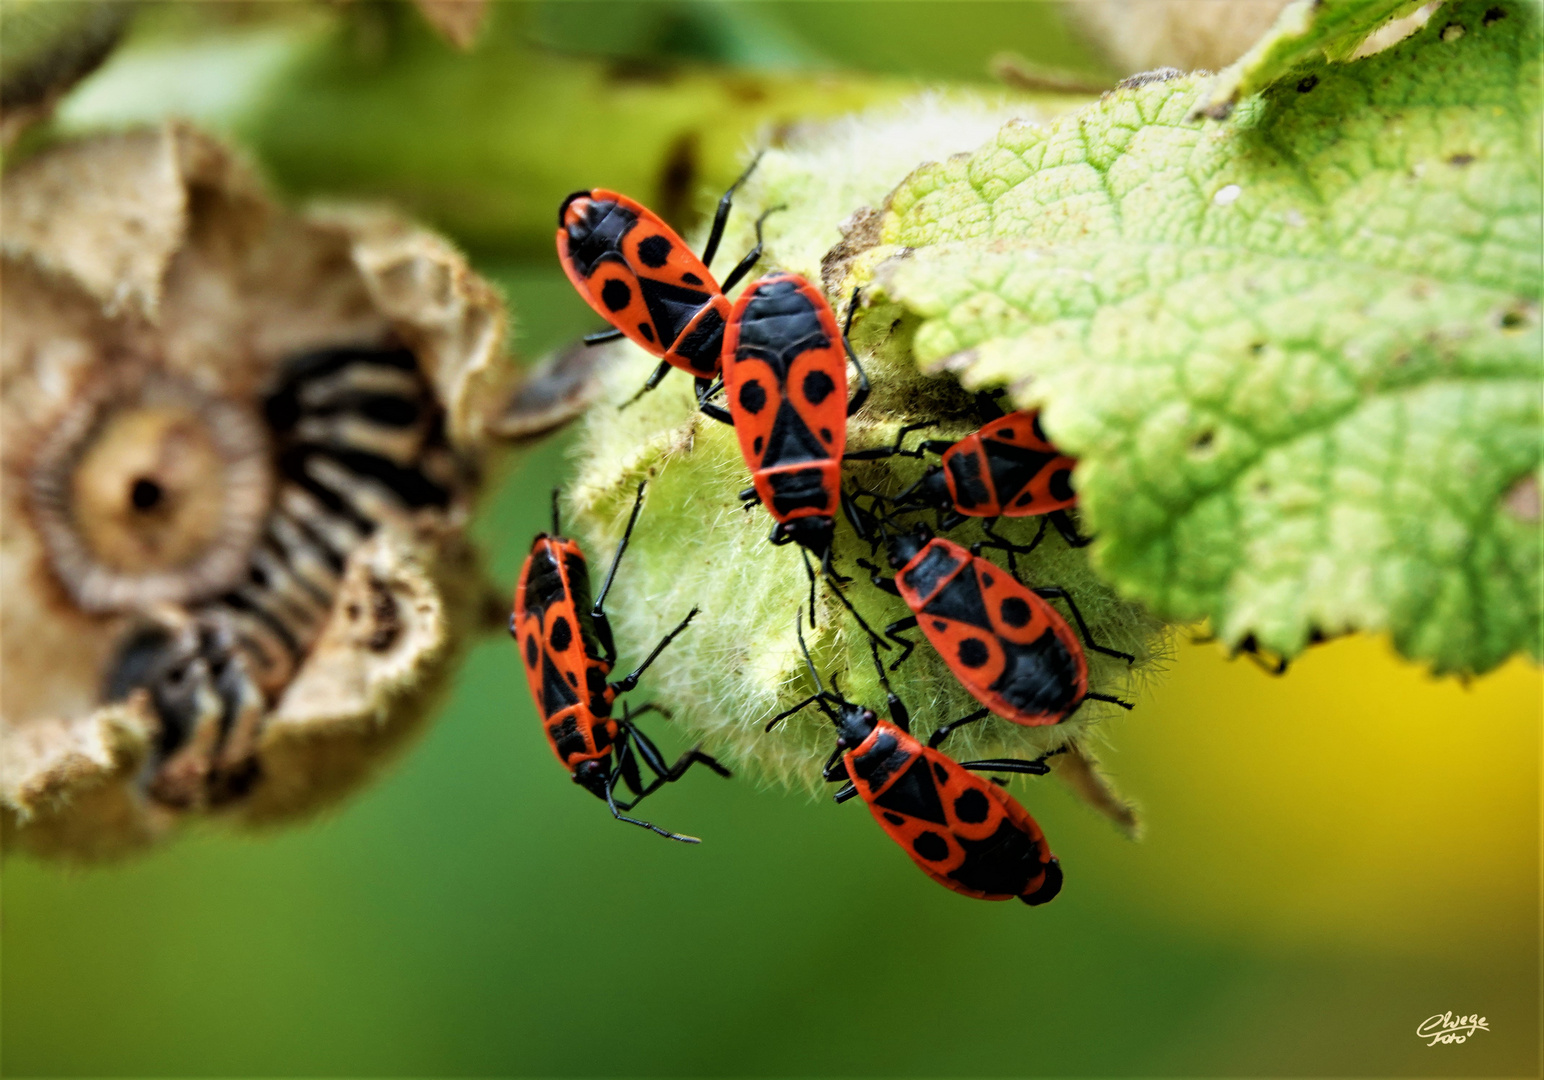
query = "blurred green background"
x=1331 y=858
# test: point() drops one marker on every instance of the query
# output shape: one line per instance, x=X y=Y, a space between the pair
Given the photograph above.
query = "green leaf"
x=1297 y=352
x=1305 y=30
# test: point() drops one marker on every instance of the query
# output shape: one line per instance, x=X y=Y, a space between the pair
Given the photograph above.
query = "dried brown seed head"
x=150 y=493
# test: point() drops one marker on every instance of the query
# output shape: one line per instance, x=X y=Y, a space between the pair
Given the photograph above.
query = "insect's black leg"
x=829 y=572
x=556 y=527
x=644 y=710
x=893 y=632
x=835 y=767
x=862 y=393
x=622 y=686
x=653 y=381
x=937 y=738
x=809 y=572
x=743 y=267
x=1008 y=765
x=1091 y=696
x=706 y=390
x=867 y=629
x=1069 y=531
x=627 y=765
x=600 y=337
x=721 y=215
x=611 y=802
x=894 y=450
x=669 y=774
x=1013 y=550
x=845 y=792
x=876 y=576
x=1053 y=593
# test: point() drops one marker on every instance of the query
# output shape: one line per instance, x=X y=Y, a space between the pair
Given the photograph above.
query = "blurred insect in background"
x=961 y=830
x=640 y=276
x=569 y=651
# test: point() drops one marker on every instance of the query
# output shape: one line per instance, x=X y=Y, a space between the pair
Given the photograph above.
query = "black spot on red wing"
x=825 y=434
x=894 y=819
x=646 y=330
x=616 y=295
x=1025 y=499
x=691 y=279
x=654 y=251
x=595 y=680
x=1061 y=484
x=573 y=680
x=531 y=653
x=1040 y=677
x=1002 y=864
x=817 y=387
x=1034 y=423
x=987 y=580
x=973 y=652
x=940 y=625
x=758 y=443
x=562 y=635
x=931 y=846
x=753 y=397
x=940 y=772
x=1014 y=611
x=972 y=807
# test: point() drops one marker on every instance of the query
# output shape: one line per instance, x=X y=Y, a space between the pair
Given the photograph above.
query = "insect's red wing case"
x=677 y=267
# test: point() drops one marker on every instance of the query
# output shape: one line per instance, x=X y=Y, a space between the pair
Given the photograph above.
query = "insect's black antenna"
x=556 y=528
x=798 y=629
x=884 y=680
x=867 y=629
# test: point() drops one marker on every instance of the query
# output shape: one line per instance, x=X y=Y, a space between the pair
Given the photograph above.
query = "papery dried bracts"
x=239 y=452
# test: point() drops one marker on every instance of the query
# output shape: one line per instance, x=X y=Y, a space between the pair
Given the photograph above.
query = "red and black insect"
x=1006 y=469
x=640 y=276
x=961 y=830
x=1003 y=641
x=569 y=653
x=785 y=378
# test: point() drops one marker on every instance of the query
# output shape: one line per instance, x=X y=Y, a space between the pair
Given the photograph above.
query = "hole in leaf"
x=1308 y=84
x=1493 y=15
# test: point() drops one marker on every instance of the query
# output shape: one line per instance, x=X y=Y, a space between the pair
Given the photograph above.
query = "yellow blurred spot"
x=1356 y=800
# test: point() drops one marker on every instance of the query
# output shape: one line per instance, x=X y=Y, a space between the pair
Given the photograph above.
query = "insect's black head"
x=931 y=490
x=854 y=723
x=593 y=775
x=595 y=228
x=903 y=547
x=811 y=533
